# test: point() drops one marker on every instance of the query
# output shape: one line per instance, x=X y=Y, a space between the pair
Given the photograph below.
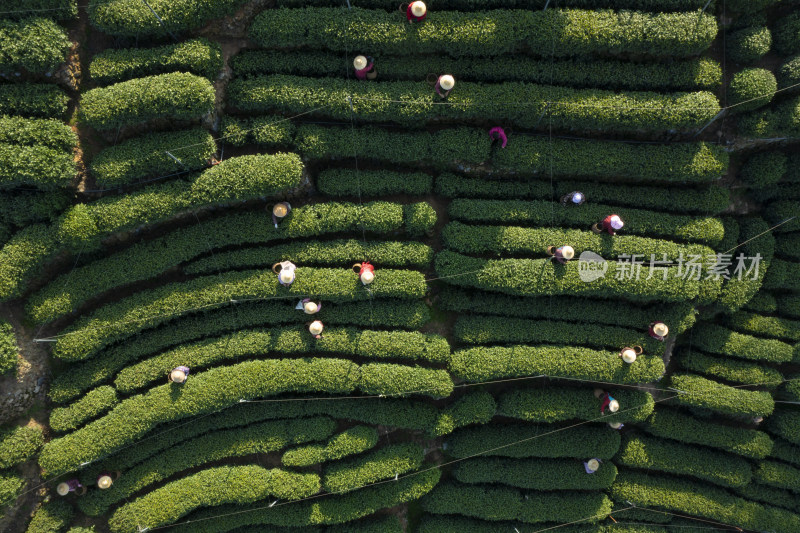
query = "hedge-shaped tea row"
x=33 y=100
x=704 y=200
x=728 y=369
x=699 y=499
x=785 y=423
x=198 y=56
x=719 y=340
x=780 y=120
x=349 y=442
x=333 y=509
x=459 y=524
x=519 y=241
x=553 y=405
x=57 y=9
x=128 y=18
x=291 y=340
x=70 y=382
x=777 y=475
x=384 y=463
x=400 y=413
x=473 y=5
x=540 y=277
x=212 y=487
x=785 y=451
x=37 y=45
x=534 y=440
x=679 y=316
x=770 y=496
x=146 y=156
x=767 y=326
x=704 y=230
x=18 y=444
x=690 y=74
x=575 y=362
x=223 y=386
x=334 y=252
x=144 y=260
x=783 y=276
x=502 y=503
x=375 y=102
x=265 y=437
x=682 y=162
x=174 y=96
x=147 y=309
x=9 y=350
x=50 y=133
x=52 y=517
x=707 y=394
x=83 y=227
x=788 y=305
x=537 y=474
x=564 y=32
x=37 y=166
x=791 y=389
x=346 y=182
x=649 y=453
x=94 y=403
x=472 y=408
x=11 y=486
x=22 y=208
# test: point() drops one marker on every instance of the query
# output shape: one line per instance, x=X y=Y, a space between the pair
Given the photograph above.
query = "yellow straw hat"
x=628 y=355
x=105 y=482
x=593 y=464
x=316 y=327
x=568 y=252
x=613 y=406
x=367 y=277
x=418 y=8
x=360 y=62
x=178 y=376
x=447 y=82
x=280 y=210
x=660 y=329
x=286 y=276
x=62 y=489
x=310 y=308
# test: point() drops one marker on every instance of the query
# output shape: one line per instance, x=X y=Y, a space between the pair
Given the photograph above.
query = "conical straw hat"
x=418 y=9
x=104 y=482
x=447 y=82
x=315 y=328
x=593 y=464
x=280 y=210
x=367 y=277
x=62 y=489
x=360 y=62
x=661 y=329
x=613 y=406
x=286 y=276
x=310 y=308
x=567 y=252
x=628 y=355
x=178 y=376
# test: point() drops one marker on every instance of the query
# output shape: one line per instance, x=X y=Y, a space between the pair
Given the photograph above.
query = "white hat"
x=628 y=355
x=567 y=252
x=577 y=197
x=310 y=308
x=446 y=81
x=616 y=222
x=62 y=489
x=593 y=465
x=660 y=329
x=280 y=210
x=418 y=8
x=286 y=276
x=178 y=376
x=367 y=277
x=315 y=327
x=360 y=62
x=613 y=406
x=105 y=482
x=615 y=425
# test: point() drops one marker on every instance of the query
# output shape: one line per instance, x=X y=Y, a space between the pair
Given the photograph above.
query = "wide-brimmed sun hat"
x=367 y=277
x=178 y=376
x=315 y=327
x=613 y=406
x=280 y=210
x=418 y=8
x=593 y=465
x=360 y=62
x=447 y=82
x=616 y=222
x=104 y=482
x=628 y=355
x=62 y=489
x=660 y=329
x=310 y=308
x=567 y=252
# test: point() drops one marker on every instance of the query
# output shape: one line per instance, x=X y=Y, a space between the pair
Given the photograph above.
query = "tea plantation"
x=331 y=266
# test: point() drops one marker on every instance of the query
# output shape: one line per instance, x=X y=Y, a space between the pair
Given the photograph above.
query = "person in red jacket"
x=364 y=67
x=416 y=12
x=611 y=224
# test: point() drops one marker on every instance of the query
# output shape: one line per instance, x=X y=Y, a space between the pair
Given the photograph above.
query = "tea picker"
x=178 y=374
x=285 y=271
x=279 y=211
x=106 y=479
x=446 y=82
x=611 y=224
x=364 y=68
x=498 y=134
x=562 y=253
x=573 y=198
x=315 y=328
x=415 y=11
x=365 y=271
x=71 y=485
x=607 y=400
x=658 y=330
x=309 y=307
